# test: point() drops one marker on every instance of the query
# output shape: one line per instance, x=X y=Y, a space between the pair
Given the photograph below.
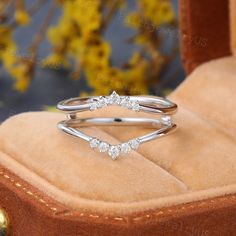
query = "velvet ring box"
x=184 y=184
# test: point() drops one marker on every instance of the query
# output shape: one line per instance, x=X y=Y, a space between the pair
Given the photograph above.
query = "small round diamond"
x=93 y=106
x=125 y=148
x=94 y=143
x=103 y=147
x=114 y=98
x=134 y=143
x=102 y=102
x=166 y=120
x=135 y=106
x=125 y=102
x=114 y=152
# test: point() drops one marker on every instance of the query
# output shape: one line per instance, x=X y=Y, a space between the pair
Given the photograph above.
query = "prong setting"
x=114 y=99
x=134 y=143
x=94 y=143
x=114 y=150
x=125 y=148
x=103 y=147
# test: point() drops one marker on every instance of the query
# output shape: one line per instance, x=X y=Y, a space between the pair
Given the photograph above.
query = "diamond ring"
x=148 y=104
x=162 y=125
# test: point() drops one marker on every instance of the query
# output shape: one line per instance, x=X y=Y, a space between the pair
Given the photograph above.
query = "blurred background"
x=52 y=50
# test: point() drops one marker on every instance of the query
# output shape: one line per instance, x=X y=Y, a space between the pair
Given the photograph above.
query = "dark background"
x=50 y=86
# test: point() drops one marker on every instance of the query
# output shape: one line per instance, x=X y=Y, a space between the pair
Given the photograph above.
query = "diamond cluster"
x=115 y=99
x=114 y=150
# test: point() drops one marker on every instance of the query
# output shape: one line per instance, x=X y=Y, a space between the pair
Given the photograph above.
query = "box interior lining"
x=197 y=162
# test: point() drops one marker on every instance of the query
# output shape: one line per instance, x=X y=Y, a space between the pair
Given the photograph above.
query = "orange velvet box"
x=184 y=184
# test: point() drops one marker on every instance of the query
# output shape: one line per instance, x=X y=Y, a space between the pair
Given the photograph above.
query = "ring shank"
x=147 y=104
x=110 y=121
x=71 y=126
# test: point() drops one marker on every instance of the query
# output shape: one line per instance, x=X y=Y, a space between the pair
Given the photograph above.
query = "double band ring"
x=163 y=124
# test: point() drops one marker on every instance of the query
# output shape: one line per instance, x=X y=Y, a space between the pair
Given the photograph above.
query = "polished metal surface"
x=71 y=126
x=147 y=104
x=162 y=124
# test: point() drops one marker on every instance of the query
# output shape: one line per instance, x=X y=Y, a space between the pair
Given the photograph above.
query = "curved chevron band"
x=71 y=127
x=136 y=103
x=163 y=124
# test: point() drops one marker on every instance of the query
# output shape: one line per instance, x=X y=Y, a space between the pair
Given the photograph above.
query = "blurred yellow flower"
x=86 y=14
x=6 y=40
x=22 y=84
x=22 y=76
x=55 y=61
x=9 y=56
x=158 y=11
x=133 y=20
x=78 y=42
x=22 y=17
x=97 y=57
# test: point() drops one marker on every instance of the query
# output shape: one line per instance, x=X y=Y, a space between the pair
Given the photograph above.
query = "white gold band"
x=160 y=106
x=136 y=103
x=71 y=127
